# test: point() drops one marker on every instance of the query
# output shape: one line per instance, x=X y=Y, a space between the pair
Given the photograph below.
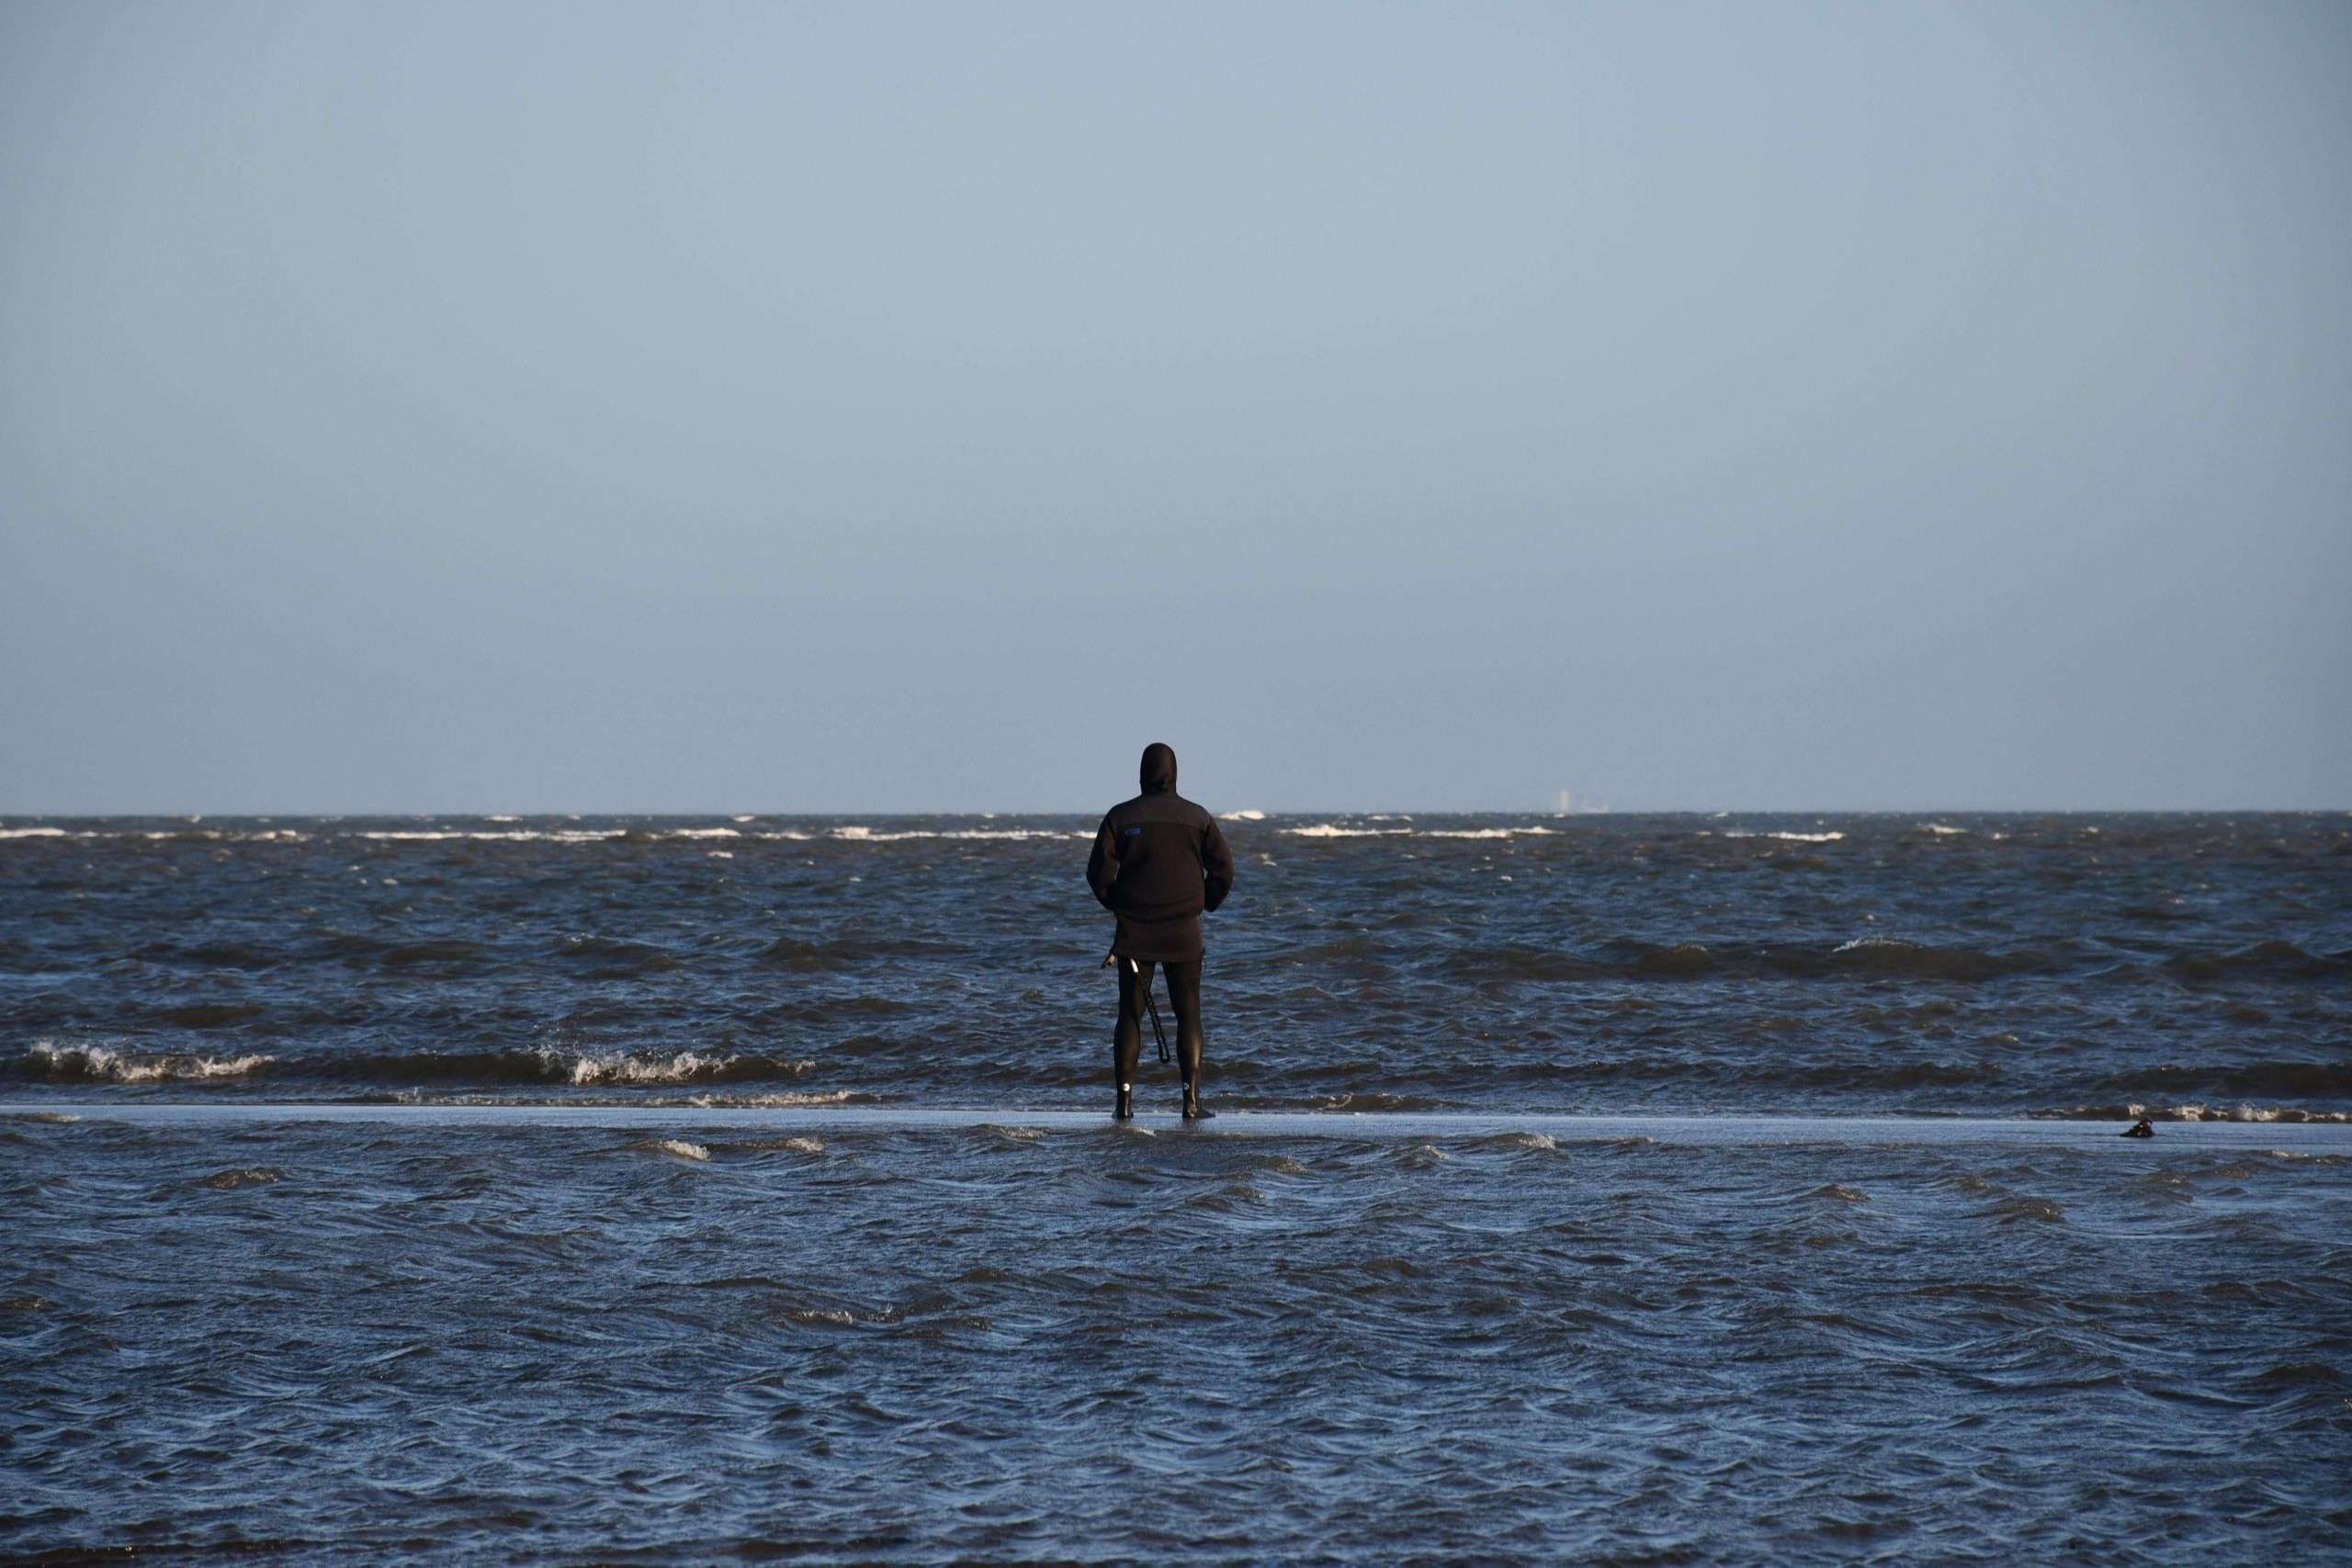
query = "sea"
x=1610 y=1188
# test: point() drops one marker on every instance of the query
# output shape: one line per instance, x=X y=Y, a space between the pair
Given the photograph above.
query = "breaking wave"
x=676 y=1148
x=1486 y=833
x=1350 y=830
x=510 y=836
x=506 y=832
x=2132 y=1111
x=102 y=1063
x=554 y=1064
x=708 y=1099
x=857 y=833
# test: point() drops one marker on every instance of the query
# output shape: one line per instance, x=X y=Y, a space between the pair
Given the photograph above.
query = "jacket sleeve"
x=1217 y=867
x=1102 y=865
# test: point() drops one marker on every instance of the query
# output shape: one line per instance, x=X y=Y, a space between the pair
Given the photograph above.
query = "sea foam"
x=49 y=1060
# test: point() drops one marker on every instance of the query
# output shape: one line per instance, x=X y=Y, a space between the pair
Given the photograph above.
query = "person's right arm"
x=1102 y=865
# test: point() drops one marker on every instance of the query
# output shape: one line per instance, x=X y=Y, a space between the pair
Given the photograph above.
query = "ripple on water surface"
x=990 y=1340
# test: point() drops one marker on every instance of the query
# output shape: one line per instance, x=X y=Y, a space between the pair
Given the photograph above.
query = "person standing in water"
x=1159 y=863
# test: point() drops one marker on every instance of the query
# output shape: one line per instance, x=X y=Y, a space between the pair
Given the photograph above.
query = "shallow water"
x=555 y=1190
x=700 y=1336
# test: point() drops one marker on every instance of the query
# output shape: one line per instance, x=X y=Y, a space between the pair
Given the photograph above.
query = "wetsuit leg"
x=1127 y=1039
x=1184 y=990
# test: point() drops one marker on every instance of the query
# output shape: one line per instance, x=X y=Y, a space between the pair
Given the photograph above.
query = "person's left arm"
x=1217 y=867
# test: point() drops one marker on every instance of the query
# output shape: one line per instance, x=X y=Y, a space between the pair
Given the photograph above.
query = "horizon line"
x=1268 y=813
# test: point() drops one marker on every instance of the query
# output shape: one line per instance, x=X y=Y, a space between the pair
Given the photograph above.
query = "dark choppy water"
x=617 y=1217
x=2010 y=966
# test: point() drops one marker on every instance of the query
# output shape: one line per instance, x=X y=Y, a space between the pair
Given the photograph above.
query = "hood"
x=1159 y=769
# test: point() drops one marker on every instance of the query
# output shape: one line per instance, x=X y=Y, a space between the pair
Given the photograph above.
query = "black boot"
x=1125 y=1109
x=1194 y=1110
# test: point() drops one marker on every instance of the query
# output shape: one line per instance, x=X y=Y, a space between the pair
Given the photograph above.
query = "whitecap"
x=585 y=1070
x=1013 y=833
x=32 y=832
x=863 y=835
x=778 y=1099
x=2195 y=1111
x=512 y=835
x=49 y=1058
x=1486 y=832
x=1252 y=815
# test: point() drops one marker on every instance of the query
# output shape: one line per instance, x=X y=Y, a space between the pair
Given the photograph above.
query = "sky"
x=868 y=407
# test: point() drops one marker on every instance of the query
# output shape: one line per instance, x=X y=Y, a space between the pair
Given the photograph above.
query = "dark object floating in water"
x=2143 y=1128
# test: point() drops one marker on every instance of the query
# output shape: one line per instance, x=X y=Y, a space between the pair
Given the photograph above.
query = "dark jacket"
x=1159 y=862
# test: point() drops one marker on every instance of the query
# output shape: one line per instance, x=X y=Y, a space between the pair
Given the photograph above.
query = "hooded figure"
x=1159 y=863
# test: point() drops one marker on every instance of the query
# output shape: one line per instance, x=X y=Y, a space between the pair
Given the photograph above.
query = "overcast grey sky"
x=864 y=406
